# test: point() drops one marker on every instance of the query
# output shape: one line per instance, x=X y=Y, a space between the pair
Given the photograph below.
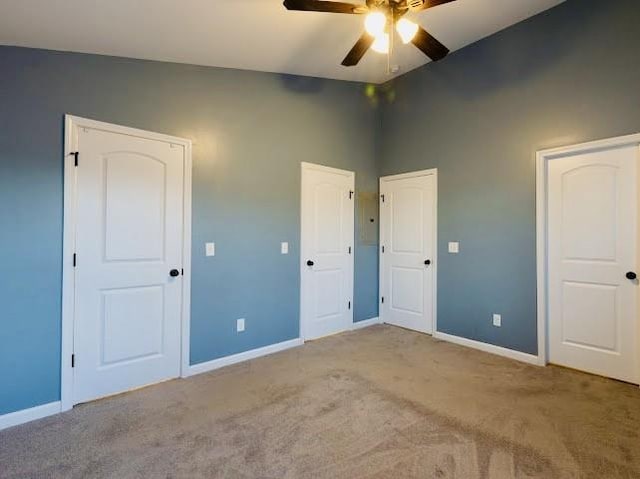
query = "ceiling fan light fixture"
x=406 y=29
x=381 y=18
x=375 y=23
x=381 y=43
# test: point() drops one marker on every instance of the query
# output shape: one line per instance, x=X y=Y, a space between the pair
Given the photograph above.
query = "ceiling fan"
x=381 y=17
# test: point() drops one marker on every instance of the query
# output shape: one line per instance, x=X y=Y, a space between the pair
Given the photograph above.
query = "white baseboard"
x=490 y=348
x=28 y=415
x=366 y=323
x=245 y=356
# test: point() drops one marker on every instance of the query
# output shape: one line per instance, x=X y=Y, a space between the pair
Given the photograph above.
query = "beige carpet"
x=377 y=403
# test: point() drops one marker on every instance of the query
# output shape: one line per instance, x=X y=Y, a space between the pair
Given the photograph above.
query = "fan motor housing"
x=415 y=4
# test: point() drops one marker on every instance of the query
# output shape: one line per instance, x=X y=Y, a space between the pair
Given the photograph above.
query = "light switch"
x=211 y=249
x=454 y=247
x=240 y=325
x=284 y=247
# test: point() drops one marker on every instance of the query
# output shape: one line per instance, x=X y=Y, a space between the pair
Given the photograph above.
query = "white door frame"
x=327 y=169
x=414 y=174
x=543 y=158
x=72 y=124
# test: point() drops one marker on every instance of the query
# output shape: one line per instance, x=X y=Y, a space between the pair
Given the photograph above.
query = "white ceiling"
x=246 y=34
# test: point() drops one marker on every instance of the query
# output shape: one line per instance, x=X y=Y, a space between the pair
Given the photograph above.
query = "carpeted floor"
x=379 y=403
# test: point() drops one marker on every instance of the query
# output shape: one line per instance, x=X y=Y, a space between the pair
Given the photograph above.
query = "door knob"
x=174 y=272
x=631 y=275
x=427 y=262
x=310 y=263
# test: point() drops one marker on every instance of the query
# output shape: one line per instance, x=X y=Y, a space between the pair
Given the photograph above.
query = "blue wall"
x=569 y=75
x=250 y=132
x=566 y=76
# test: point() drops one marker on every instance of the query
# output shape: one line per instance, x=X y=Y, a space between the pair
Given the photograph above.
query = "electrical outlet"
x=497 y=320
x=454 y=247
x=284 y=247
x=240 y=325
x=210 y=249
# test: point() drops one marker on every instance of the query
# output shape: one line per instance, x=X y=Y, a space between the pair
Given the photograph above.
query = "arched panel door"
x=129 y=230
x=327 y=250
x=408 y=250
x=592 y=242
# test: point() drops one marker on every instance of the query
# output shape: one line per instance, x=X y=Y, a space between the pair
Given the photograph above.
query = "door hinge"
x=75 y=157
x=75 y=260
x=382 y=299
x=383 y=249
x=351 y=195
x=349 y=249
x=73 y=360
x=382 y=198
x=349 y=304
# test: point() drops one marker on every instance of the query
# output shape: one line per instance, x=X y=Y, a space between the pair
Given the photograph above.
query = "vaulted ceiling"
x=245 y=34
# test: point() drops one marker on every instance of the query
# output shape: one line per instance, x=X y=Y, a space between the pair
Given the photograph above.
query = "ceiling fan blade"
x=429 y=45
x=359 y=49
x=432 y=3
x=324 y=6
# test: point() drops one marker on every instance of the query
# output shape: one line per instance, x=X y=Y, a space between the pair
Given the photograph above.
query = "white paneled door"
x=592 y=247
x=129 y=263
x=407 y=250
x=327 y=250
